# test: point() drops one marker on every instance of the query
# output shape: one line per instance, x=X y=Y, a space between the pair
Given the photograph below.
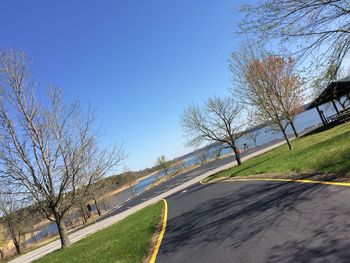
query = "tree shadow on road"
x=248 y=213
x=331 y=250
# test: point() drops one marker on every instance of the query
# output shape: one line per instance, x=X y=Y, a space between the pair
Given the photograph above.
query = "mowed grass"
x=323 y=152
x=126 y=241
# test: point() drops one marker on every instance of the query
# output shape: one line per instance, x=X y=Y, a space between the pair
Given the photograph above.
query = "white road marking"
x=55 y=245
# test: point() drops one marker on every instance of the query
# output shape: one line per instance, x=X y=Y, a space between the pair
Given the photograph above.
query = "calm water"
x=305 y=120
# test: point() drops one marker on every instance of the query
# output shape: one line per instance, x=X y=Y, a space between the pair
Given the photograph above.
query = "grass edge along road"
x=128 y=240
x=317 y=152
x=161 y=234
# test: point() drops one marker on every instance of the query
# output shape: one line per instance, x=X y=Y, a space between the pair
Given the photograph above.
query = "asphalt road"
x=186 y=176
x=257 y=222
x=152 y=196
x=180 y=179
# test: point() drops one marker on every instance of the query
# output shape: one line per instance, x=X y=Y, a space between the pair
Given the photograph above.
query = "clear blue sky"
x=139 y=63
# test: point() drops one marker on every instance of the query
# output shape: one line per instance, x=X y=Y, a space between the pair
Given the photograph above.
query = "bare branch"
x=313 y=29
x=220 y=120
x=51 y=152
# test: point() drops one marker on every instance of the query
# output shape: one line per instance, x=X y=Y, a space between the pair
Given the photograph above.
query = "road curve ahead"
x=258 y=221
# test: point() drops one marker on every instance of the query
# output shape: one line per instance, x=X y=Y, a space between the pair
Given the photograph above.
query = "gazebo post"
x=341 y=104
x=335 y=107
x=319 y=113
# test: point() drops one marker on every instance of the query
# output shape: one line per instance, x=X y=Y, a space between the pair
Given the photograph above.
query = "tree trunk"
x=62 y=231
x=104 y=204
x=287 y=139
x=24 y=243
x=294 y=129
x=84 y=216
x=70 y=219
x=34 y=238
x=237 y=154
x=16 y=241
x=97 y=207
x=17 y=245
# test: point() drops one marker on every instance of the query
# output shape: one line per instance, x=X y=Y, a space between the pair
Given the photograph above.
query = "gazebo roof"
x=334 y=90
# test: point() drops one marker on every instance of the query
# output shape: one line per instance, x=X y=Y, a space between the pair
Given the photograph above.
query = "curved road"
x=184 y=177
x=151 y=196
x=258 y=221
x=196 y=172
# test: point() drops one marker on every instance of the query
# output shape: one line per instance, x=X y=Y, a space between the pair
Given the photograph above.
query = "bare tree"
x=178 y=165
x=130 y=178
x=34 y=217
x=48 y=151
x=97 y=190
x=255 y=126
x=314 y=29
x=163 y=163
x=253 y=135
x=204 y=154
x=219 y=120
x=3 y=242
x=270 y=85
x=14 y=219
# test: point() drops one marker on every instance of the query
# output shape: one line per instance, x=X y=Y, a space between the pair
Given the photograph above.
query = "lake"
x=304 y=121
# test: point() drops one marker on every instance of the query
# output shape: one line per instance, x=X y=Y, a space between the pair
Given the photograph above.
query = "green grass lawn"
x=126 y=241
x=324 y=152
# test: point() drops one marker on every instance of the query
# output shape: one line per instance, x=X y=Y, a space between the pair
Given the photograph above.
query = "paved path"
x=151 y=196
x=257 y=222
x=180 y=179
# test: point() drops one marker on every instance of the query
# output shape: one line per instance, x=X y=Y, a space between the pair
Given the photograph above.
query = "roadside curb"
x=305 y=181
x=161 y=234
x=74 y=237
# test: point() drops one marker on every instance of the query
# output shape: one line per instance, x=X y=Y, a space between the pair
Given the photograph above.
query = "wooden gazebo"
x=333 y=93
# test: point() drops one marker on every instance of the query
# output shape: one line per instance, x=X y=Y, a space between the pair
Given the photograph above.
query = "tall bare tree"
x=163 y=163
x=270 y=85
x=314 y=29
x=219 y=120
x=49 y=151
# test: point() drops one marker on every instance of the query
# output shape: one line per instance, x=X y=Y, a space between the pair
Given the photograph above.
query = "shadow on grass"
x=245 y=167
x=322 y=129
x=340 y=165
x=238 y=169
x=338 y=162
